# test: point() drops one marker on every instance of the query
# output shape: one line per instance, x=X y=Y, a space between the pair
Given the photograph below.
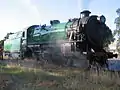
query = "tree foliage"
x=117 y=31
x=117 y=22
x=1 y=42
x=6 y=37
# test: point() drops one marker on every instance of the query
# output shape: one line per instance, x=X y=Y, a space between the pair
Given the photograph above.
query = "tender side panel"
x=12 y=46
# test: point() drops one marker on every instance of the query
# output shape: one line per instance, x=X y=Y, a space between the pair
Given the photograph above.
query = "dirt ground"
x=17 y=78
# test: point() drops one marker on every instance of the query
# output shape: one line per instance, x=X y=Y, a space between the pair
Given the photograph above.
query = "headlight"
x=102 y=19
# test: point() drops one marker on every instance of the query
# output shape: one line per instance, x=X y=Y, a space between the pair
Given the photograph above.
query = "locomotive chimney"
x=85 y=13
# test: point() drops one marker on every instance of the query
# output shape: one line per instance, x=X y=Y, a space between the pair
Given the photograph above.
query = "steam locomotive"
x=79 y=39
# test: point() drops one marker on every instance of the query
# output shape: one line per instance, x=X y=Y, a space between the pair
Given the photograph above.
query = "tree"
x=117 y=31
x=6 y=37
x=117 y=22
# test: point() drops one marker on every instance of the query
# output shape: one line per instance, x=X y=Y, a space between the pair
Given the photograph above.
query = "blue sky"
x=16 y=15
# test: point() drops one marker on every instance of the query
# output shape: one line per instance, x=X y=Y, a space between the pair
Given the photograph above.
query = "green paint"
x=53 y=33
x=12 y=44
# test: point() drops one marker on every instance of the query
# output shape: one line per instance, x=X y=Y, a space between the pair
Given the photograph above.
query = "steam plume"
x=83 y=4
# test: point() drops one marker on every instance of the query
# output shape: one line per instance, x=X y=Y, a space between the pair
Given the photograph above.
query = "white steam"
x=83 y=4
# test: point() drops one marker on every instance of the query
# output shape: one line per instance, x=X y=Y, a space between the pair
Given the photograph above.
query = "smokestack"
x=85 y=13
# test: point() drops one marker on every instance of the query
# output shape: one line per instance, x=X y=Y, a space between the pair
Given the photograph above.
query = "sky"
x=15 y=15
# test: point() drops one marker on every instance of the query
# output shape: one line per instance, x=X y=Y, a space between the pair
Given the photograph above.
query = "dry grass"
x=17 y=78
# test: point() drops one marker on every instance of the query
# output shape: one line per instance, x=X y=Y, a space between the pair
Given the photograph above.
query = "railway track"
x=27 y=64
x=114 y=64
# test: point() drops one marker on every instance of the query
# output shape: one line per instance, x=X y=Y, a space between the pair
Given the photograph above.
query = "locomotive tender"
x=62 y=41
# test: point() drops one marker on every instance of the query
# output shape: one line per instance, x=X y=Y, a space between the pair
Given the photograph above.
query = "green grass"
x=58 y=79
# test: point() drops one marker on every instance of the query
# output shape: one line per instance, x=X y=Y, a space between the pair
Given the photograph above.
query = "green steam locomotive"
x=83 y=37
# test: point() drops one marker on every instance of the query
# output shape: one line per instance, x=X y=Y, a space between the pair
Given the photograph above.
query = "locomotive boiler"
x=63 y=43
